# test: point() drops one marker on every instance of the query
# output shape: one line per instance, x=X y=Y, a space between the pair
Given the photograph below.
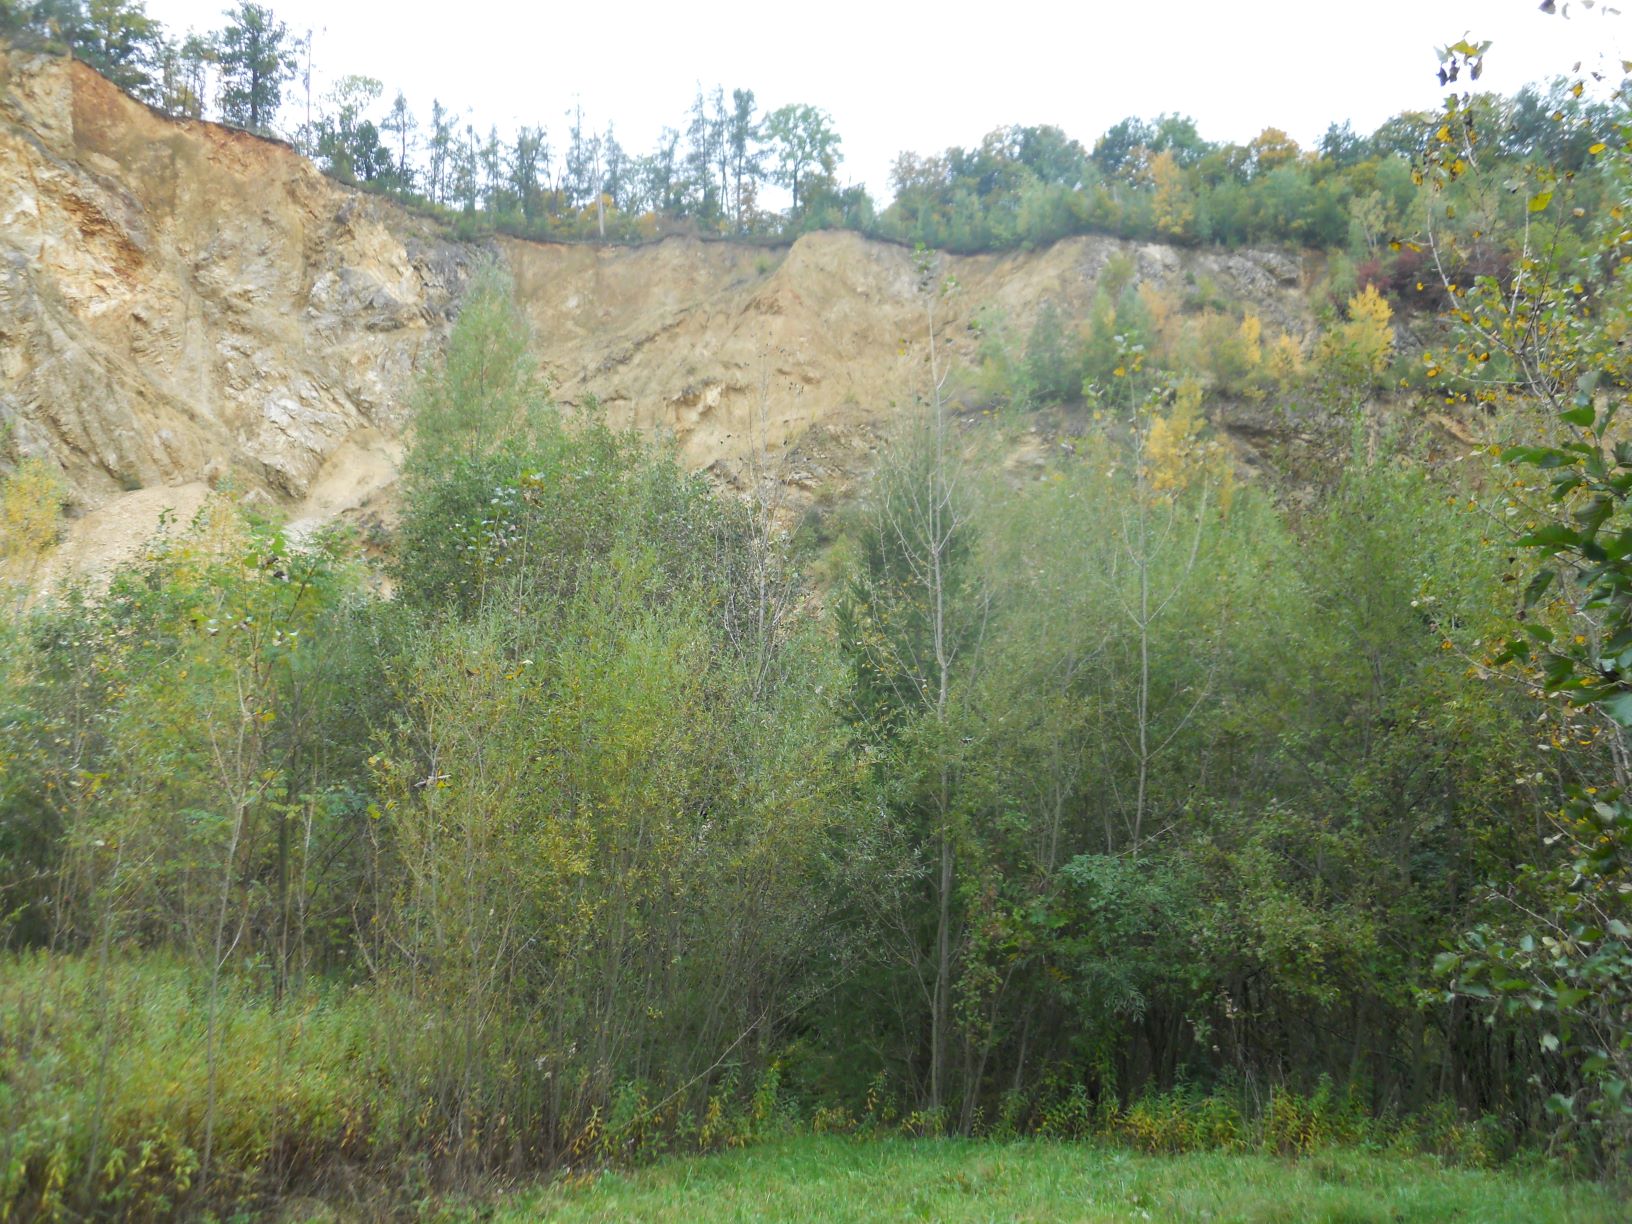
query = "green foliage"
x=668 y=736
x=805 y=149
x=1180 y=1122
x=1205 y=775
x=197 y=733
x=486 y=393
x=1118 y=324
x=345 y=140
x=1053 y=366
x=593 y=855
x=255 y=56
x=116 y=37
x=1557 y=959
x=509 y=501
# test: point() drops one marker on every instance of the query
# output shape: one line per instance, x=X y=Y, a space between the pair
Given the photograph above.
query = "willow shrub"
x=618 y=842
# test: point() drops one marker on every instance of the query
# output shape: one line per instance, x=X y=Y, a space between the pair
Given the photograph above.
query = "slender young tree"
x=578 y=172
x=615 y=177
x=256 y=58
x=911 y=622
x=440 y=149
x=400 y=123
x=529 y=170
x=744 y=158
x=467 y=179
x=495 y=190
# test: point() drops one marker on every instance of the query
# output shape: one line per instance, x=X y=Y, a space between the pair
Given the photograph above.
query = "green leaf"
x=1553 y=535
x=1592 y=515
x=1619 y=708
x=1618 y=547
x=1538 y=587
x=1580 y=417
x=1551 y=457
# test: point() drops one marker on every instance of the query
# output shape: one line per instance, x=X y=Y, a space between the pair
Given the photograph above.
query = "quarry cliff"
x=183 y=304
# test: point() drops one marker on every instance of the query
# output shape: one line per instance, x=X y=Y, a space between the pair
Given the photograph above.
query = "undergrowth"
x=104 y=1086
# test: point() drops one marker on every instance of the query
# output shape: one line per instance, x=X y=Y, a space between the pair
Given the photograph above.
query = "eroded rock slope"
x=182 y=304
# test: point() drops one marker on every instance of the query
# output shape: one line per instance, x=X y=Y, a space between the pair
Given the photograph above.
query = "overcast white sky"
x=922 y=77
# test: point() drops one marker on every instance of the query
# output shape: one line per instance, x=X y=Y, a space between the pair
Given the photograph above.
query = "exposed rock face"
x=181 y=303
x=728 y=349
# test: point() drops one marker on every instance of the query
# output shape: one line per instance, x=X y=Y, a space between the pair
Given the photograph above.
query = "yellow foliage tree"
x=1369 y=315
x=1175 y=453
x=1363 y=345
x=1270 y=149
x=1284 y=362
x=30 y=504
x=1231 y=352
x=1166 y=323
x=1251 y=332
x=1175 y=210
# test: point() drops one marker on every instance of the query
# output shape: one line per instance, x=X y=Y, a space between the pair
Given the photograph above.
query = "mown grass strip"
x=835 y=1179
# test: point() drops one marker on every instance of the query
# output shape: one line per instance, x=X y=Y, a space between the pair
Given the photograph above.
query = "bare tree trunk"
x=211 y=1022
x=942 y=524
x=1143 y=704
x=940 y=1016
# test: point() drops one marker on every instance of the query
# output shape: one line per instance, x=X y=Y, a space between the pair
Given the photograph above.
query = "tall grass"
x=104 y=1088
x=333 y=1091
